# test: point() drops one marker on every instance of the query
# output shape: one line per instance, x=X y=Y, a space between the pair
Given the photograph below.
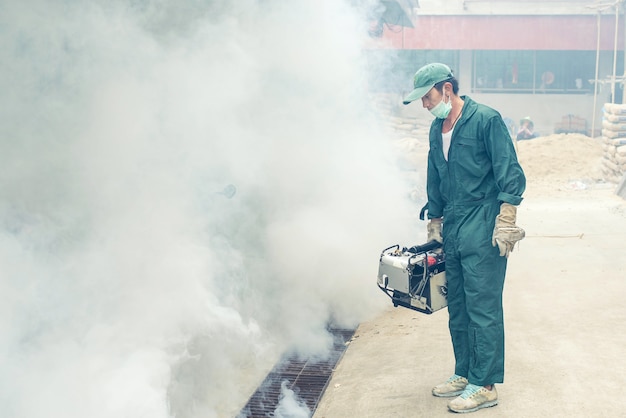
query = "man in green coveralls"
x=474 y=185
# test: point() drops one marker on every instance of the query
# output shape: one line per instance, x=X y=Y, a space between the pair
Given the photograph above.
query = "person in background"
x=474 y=184
x=526 y=129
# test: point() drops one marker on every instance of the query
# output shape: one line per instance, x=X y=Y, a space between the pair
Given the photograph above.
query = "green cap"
x=425 y=78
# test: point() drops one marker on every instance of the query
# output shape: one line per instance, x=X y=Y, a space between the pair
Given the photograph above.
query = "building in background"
x=555 y=61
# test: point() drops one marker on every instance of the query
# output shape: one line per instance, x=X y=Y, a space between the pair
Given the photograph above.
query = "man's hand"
x=434 y=230
x=506 y=233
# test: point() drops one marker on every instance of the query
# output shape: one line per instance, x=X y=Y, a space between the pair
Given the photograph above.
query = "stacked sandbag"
x=400 y=126
x=614 y=141
x=384 y=104
x=403 y=127
x=409 y=137
x=571 y=124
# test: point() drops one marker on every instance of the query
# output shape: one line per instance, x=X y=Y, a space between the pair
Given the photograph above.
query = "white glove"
x=505 y=232
x=434 y=230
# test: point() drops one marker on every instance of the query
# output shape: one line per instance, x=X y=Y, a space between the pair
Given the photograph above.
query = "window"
x=538 y=72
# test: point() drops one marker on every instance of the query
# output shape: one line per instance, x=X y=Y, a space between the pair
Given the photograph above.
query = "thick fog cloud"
x=187 y=189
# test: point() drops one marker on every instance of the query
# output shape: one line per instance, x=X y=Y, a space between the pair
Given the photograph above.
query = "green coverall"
x=482 y=171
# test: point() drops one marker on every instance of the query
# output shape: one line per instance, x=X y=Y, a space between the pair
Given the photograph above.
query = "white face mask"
x=442 y=110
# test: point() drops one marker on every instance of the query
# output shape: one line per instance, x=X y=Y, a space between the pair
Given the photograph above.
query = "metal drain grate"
x=306 y=377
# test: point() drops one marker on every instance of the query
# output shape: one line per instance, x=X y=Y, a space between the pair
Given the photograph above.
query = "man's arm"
x=508 y=173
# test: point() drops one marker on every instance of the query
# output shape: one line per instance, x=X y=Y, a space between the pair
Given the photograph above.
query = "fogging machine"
x=414 y=277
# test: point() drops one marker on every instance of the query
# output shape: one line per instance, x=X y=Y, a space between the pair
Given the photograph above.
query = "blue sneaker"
x=451 y=387
x=474 y=398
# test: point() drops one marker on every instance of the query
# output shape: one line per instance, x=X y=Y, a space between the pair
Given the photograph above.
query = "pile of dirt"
x=551 y=163
x=560 y=161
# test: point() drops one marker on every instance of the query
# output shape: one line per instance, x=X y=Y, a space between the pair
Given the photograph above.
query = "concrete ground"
x=565 y=324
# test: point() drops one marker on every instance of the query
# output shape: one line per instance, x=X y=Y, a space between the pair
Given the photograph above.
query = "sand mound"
x=561 y=160
x=551 y=163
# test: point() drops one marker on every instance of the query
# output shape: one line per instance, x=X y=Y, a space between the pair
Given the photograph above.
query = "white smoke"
x=289 y=406
x=132 y=285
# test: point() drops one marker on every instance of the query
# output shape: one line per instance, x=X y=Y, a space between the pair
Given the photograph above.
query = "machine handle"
x=430 y=245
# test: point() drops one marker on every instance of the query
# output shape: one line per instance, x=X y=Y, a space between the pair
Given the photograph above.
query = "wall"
x=468 y=25
x=503 y=7
x=546 y=110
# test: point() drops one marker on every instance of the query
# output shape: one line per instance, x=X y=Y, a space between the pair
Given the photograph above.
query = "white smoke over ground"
x=289 y=405
x=131 y=286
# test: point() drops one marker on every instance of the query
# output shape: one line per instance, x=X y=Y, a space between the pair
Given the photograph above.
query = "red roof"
x=506 y=32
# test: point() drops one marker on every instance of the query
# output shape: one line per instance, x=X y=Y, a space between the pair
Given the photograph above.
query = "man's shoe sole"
x=481 y=406
x=448 y=395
